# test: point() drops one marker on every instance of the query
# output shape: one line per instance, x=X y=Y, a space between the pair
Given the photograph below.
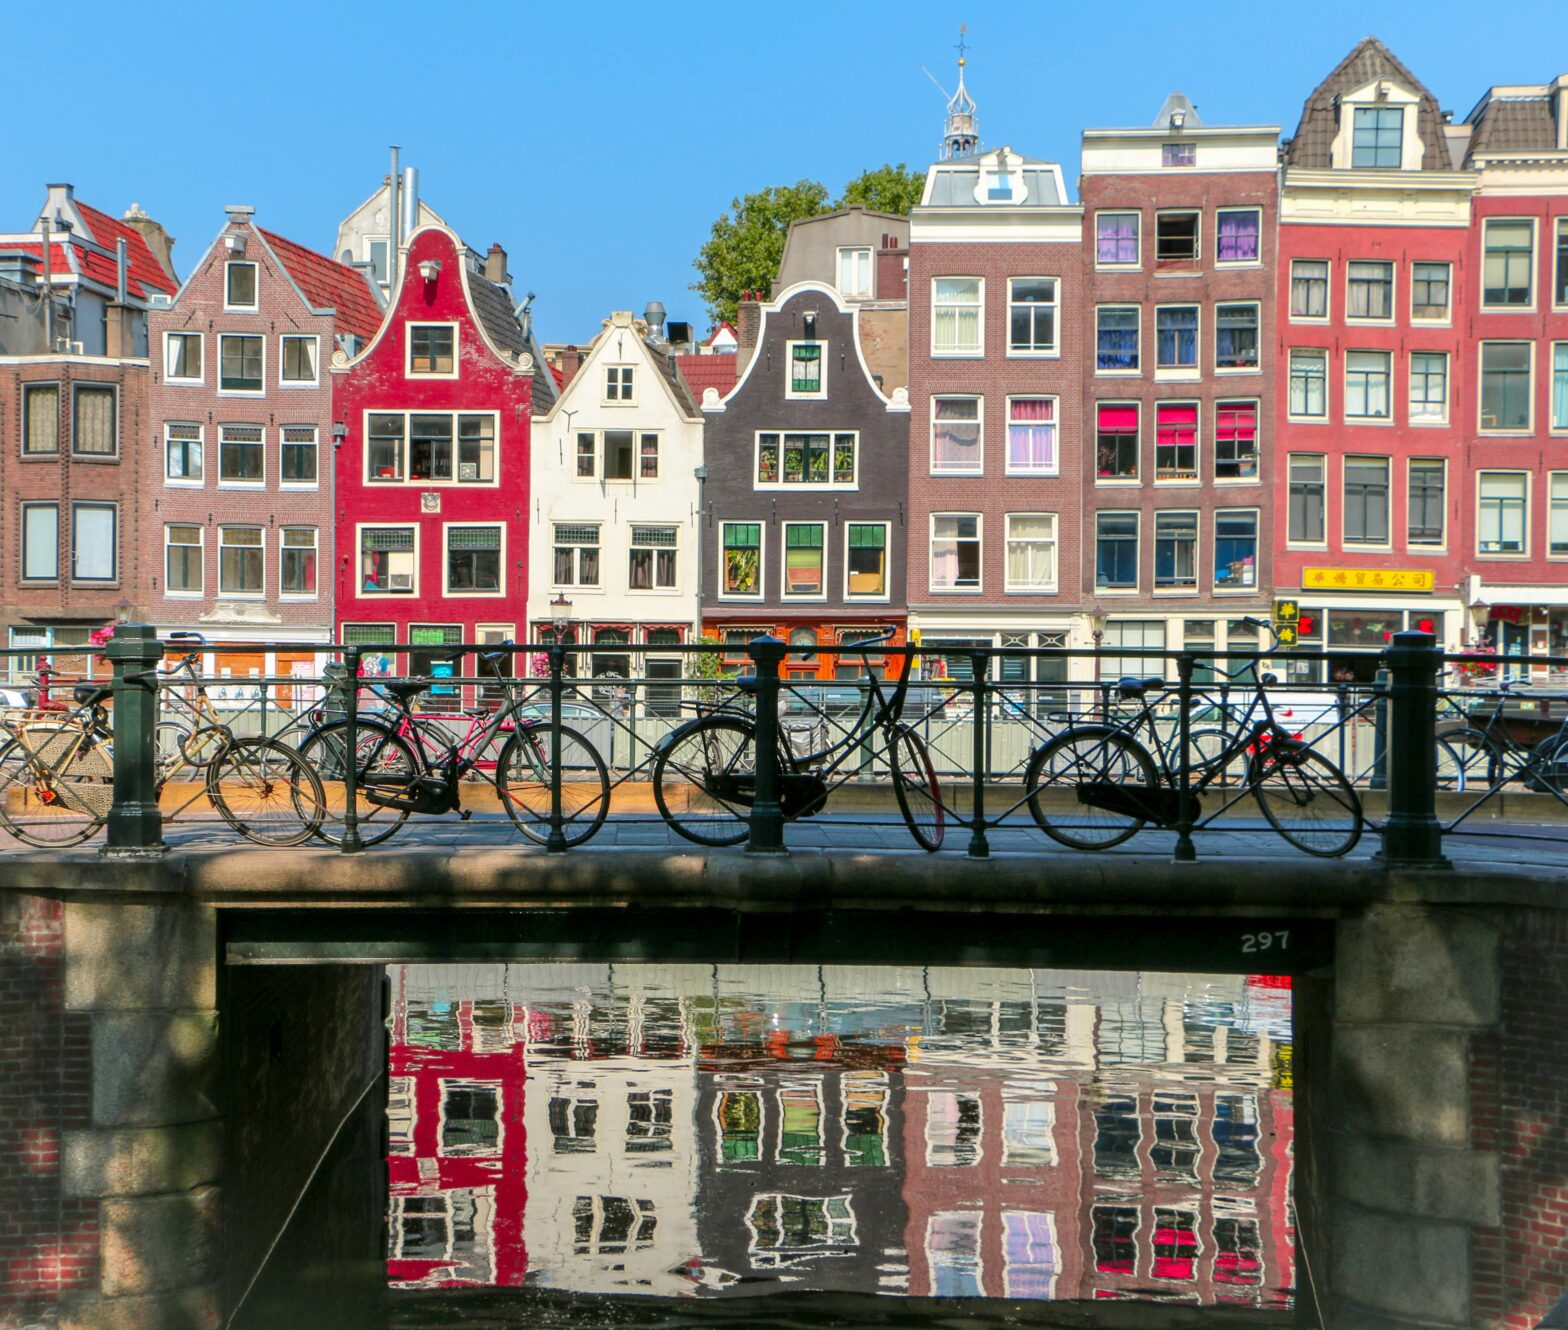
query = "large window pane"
x=1505 y=385
x=93 y=542
x=1116 y=551
x=1508 y=262
x=1366 y=500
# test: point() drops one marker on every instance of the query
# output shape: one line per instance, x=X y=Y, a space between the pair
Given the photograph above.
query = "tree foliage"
x=894 y=189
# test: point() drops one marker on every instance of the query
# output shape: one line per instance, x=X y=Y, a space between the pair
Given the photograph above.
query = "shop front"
x=1515 y=621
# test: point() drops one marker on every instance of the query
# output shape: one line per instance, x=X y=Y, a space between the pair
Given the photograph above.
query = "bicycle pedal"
x=465 y=813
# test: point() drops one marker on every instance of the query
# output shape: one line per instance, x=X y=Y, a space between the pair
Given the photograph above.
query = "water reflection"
x=702 y=1131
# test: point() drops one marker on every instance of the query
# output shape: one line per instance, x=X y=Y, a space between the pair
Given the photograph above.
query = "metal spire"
x=959 y=137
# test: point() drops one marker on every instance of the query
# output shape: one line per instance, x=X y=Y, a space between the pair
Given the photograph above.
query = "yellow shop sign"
x=1368 y=579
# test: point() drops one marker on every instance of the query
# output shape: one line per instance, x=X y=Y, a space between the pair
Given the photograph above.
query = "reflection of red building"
x=457 y=1145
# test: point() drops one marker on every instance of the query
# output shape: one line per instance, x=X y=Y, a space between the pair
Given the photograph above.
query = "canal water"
x=583 y=1144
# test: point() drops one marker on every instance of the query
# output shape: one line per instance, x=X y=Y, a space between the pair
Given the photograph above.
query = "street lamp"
x=561 y=612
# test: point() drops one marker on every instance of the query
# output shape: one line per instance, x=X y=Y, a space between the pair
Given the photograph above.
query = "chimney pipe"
x=392 y=220
x=410 y=200
x=48 y=224
x=653 y=316
x=119 y=271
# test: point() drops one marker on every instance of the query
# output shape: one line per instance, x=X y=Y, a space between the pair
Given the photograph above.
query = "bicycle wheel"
x=172 y=742
x=266 y=792
x=50 y=795
x=1207 y=747
x=385 y=763
x=915 y=784
x=1465 y=761
x=523 y=778
x=704 y=781
x=1307 y=799
x=1087 y=755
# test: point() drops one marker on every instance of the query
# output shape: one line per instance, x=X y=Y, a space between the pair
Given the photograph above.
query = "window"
x=1307 y=494
x=473 y=560
x=182 y=357
x=587 y=454
x=182 y=452
x=182 y=559
x=1309 y=383
x=1176 y=337
x=1424 y=524
x=93 y=427
x=1366 y=501
x=865 y=560
x=1429 y=287
x=1031 y=551
x=1428 y=387
x=299 y=456
x=1116 y=441
x=241 y=455
x=239 y=289
x=576 y=554
x=1235 y=549
x=1560 y=385
x=1116 y=339
x=377 y=251
x=1508 y=262
x=1176 y=239
x=1116 y=239
x=1235 y=440
x=299 y=360
x=1560 y=286
x=241 y=363
x=1309 y=289
x=1235 y=337
x=1239 y=235
x=955 y=551
x=955 y=316
x=1370 y=291
x=1178 y=154
x=1557 y=515
x=1366 y=385
x=741 y=552
x=1505 y=385
x=384 y=449
x=648 y=456
x=1031 y=436
x=40 y=419
x=956 y=435
x=825 y=460
x=805 y=369
x=240 y=559
x=93 y=542
x=429 y=448
x=652 y=558
x=40 y=542
x=297 y=561
x=854 y=273
x=1176 y=441
x=432 y=348
x=388 y=560
x=618 y=463
x=1031 y=315
x=1377 y=137
x=804 y=559
x=1502 y=499
x=1116 y=551
x=1175 y=551
x=620 y=383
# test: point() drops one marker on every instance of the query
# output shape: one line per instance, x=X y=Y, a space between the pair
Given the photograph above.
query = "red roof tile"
x=145 y=274
x=328 y=284
x=702 y=372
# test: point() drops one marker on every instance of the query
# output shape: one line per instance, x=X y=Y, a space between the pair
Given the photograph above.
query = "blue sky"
x=598 y=141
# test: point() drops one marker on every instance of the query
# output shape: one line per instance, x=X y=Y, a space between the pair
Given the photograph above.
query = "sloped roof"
x=1514 y=124
x=702 y=372
x=327 y=284
x=493 y=307
x=668 y=366
x=1369 y=61
x=144 y=272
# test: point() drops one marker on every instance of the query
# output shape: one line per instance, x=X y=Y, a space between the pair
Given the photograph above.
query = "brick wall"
x=48 y=1244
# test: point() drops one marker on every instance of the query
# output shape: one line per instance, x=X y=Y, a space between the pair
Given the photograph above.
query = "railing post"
x=1379 y=778
x=556 y=843
x=1186 y=852
x=1412 y=835
x=351 y=842
x=767 y=815
x=135 y=822
x=980 y=669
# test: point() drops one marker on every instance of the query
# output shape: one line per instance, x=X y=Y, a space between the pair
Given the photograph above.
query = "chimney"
x=653 y=316
x=748 y=321
x=158 y=240
x=59 y=204
x=495 y=266
x=891 y=281
x=410 y=200
x=571 y=362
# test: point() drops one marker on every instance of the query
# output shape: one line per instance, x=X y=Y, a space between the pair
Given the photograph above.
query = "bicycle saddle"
x=91 y=694
x=405 y=689
x=1129 y=686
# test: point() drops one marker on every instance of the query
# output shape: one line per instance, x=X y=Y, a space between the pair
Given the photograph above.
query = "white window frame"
x=1154 y=549
x=626 y=388
x=408 y=351
x=243 y=526
x=761 y=523
x=1422 y=547
x=94 y=385
x=784 y=592
x=257 y=484
x=1137 y=546
x=1328 y=395
x=1047 y=589
x=1480 y=387
x=931 y=582
x=861 y=597
x=1095 y=351
x=1181 y=373
x=1427 y=422
x=201 y=561
x=1388 y=359
x=851 y=251
x=1124 y=481
x=790 y=393
x=1056 y=436
x=802 y=486
x=315 y=532
x=1137 y=263
x=407 y=458
x=500 y=591
x=577 y=584
x=1480 y=478
x=1554 y=348
x=1257 y=309
x=1552 y=478
x=979 y=400
x=169 y=375
x=1257 y=440
x=229 y=266
x=184 y=482
x=1197 y=476
x=1559 y=278
x=32 y=578
x=1322 y=460
x=358 y=567
x=242 y=392
x=1239 y=263
x=1052 y=352
x=1531 y=267
x=656 y=589
x=114 y=554
x=964 y=353
x=1370 y=320
x=1328 y=292
x=1197 y=239
x=284 y=484
x=315 y=360
x=1345 y=542
x=1258 y=538
x=1447 y=316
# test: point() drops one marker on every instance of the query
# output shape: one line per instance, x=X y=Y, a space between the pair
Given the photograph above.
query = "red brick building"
x=1178 y=355
x=242 y=536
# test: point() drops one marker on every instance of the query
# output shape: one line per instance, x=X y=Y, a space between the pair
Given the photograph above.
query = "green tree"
x=894 y=189
x=744 y=248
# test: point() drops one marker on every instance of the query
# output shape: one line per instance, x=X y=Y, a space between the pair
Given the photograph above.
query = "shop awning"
x=1521 y=595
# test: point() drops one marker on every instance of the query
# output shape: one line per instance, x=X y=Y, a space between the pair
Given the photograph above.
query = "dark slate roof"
x=1514 y=124
x=671 y=371
x=1370 y=60
x=493 y=306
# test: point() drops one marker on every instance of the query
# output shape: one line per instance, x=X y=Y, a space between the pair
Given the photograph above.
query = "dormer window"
x=239 y=290
x=1178 y=154
x=854 y=273
x=1001 y=189
x=1377 y=137
x=620 y=383
x=432 y=348
x=806 y=370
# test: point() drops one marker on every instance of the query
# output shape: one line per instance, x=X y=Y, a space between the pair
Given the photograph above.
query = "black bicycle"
x=1093 y=786
x=705 y=774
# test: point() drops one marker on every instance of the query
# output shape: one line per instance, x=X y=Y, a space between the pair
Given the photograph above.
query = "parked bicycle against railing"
x=705 y=774
x=1489 y=754
x=1096 y=785
x=395 y=777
